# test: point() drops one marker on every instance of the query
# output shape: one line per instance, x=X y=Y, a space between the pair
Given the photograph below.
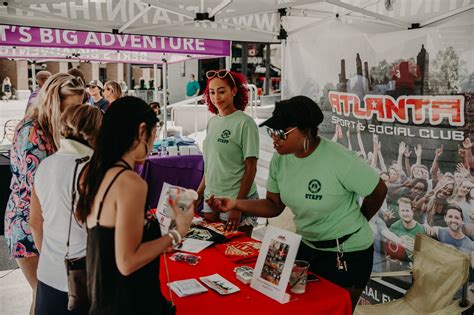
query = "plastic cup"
x=183 y=198
x=298 y=276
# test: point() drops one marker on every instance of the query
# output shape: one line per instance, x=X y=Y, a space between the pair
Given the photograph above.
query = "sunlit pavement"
x=13 y=109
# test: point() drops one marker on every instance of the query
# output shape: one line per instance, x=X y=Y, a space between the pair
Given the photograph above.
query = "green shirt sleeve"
x=272 y=182
x=250 y=139
x=360 y=177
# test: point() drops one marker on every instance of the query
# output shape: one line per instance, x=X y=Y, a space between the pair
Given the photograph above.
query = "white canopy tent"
x=270 y=21
x=293 y=23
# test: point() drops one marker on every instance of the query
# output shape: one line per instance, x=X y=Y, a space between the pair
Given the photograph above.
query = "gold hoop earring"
x=147 y=150
x=306 y=144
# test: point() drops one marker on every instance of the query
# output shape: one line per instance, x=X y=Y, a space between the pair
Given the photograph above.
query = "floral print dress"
x=30 y=147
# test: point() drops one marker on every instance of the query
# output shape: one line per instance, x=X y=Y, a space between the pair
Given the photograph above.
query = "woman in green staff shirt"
x=230 y=148
x=320 y=181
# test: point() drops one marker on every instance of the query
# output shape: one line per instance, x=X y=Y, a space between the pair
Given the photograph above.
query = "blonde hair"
x=116 y=88
x=81 y=123
x=48 y=109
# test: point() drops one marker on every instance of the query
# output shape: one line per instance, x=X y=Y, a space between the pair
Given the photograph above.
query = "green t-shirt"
x=398 y=229
x=192 y=87
x=322 y=191
x=230 y=140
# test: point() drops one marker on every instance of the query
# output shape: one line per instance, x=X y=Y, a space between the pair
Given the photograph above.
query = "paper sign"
x=275 y=262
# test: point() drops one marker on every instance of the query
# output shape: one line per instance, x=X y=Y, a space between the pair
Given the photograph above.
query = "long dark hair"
x=116 y=136
x=241 y=98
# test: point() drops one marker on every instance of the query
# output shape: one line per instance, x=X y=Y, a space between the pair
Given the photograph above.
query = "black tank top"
x=110 y=292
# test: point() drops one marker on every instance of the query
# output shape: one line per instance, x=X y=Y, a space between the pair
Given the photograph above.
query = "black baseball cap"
x=299 y=111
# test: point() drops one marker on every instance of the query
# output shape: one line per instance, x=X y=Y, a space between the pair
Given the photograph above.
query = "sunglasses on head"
x=280 y=134
x=211 y=74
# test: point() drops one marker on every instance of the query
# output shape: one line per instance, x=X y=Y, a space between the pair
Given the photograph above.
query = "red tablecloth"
x=322 y=297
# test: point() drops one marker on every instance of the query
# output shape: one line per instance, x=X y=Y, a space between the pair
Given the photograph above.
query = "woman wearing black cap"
x=320 y=181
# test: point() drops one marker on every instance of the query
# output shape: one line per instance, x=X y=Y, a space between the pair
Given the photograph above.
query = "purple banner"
x=13 y=35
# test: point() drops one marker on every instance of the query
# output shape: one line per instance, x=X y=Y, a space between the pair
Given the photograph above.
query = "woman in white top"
x=51 y=207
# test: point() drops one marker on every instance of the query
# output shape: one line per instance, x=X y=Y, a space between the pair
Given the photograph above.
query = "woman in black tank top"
x=124 y=243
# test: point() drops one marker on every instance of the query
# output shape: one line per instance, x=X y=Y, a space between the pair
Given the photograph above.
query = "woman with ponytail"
x=124 y=239
x=36 y=137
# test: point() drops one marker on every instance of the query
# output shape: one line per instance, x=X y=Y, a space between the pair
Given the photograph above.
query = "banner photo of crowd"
x=407 y=109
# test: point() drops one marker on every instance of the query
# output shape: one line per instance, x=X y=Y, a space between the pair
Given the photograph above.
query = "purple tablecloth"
x=183 y=170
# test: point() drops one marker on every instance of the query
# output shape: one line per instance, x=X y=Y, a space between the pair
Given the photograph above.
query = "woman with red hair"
x=230 y=148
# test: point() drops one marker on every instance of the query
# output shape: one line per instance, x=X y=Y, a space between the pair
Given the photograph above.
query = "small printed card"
x=192 y=245
x=187 y=287
x=275 y=262
x=244 y=274
x=219 y=284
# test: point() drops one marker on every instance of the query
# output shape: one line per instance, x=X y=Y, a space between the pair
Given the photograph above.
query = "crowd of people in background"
x=421 y=198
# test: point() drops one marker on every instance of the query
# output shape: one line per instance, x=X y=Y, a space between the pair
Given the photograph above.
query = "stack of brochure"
x=187 y=287
x=220 y=284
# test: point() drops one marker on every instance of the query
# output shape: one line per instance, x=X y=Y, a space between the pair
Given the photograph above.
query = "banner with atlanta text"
x=403 y=101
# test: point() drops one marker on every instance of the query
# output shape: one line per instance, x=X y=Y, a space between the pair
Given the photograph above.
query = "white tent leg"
x=155 y=82
x=165 y=97
x=283 y=71
x=33 y=74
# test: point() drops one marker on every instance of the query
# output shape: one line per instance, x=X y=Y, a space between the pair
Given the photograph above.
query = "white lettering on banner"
x=175 y=43
x=163 y=43
x=91 y=37
x=72 y=39
x=188 y=43
x=122 y=39
x=387 y=109
x=136 y=41
x=404 y=131
x=3 y=33
x=199 y=45
x=107 y=39
x=149 y=41
x=25 y=36
x=46 y=35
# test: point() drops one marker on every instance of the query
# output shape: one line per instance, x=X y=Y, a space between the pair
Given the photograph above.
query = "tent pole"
x=165 y=97
x=447 y=15
x=155 y=82
x=33 y=74
x=283 y=71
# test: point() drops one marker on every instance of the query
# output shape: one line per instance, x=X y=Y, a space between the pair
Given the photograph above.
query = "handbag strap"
x=73 y=199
